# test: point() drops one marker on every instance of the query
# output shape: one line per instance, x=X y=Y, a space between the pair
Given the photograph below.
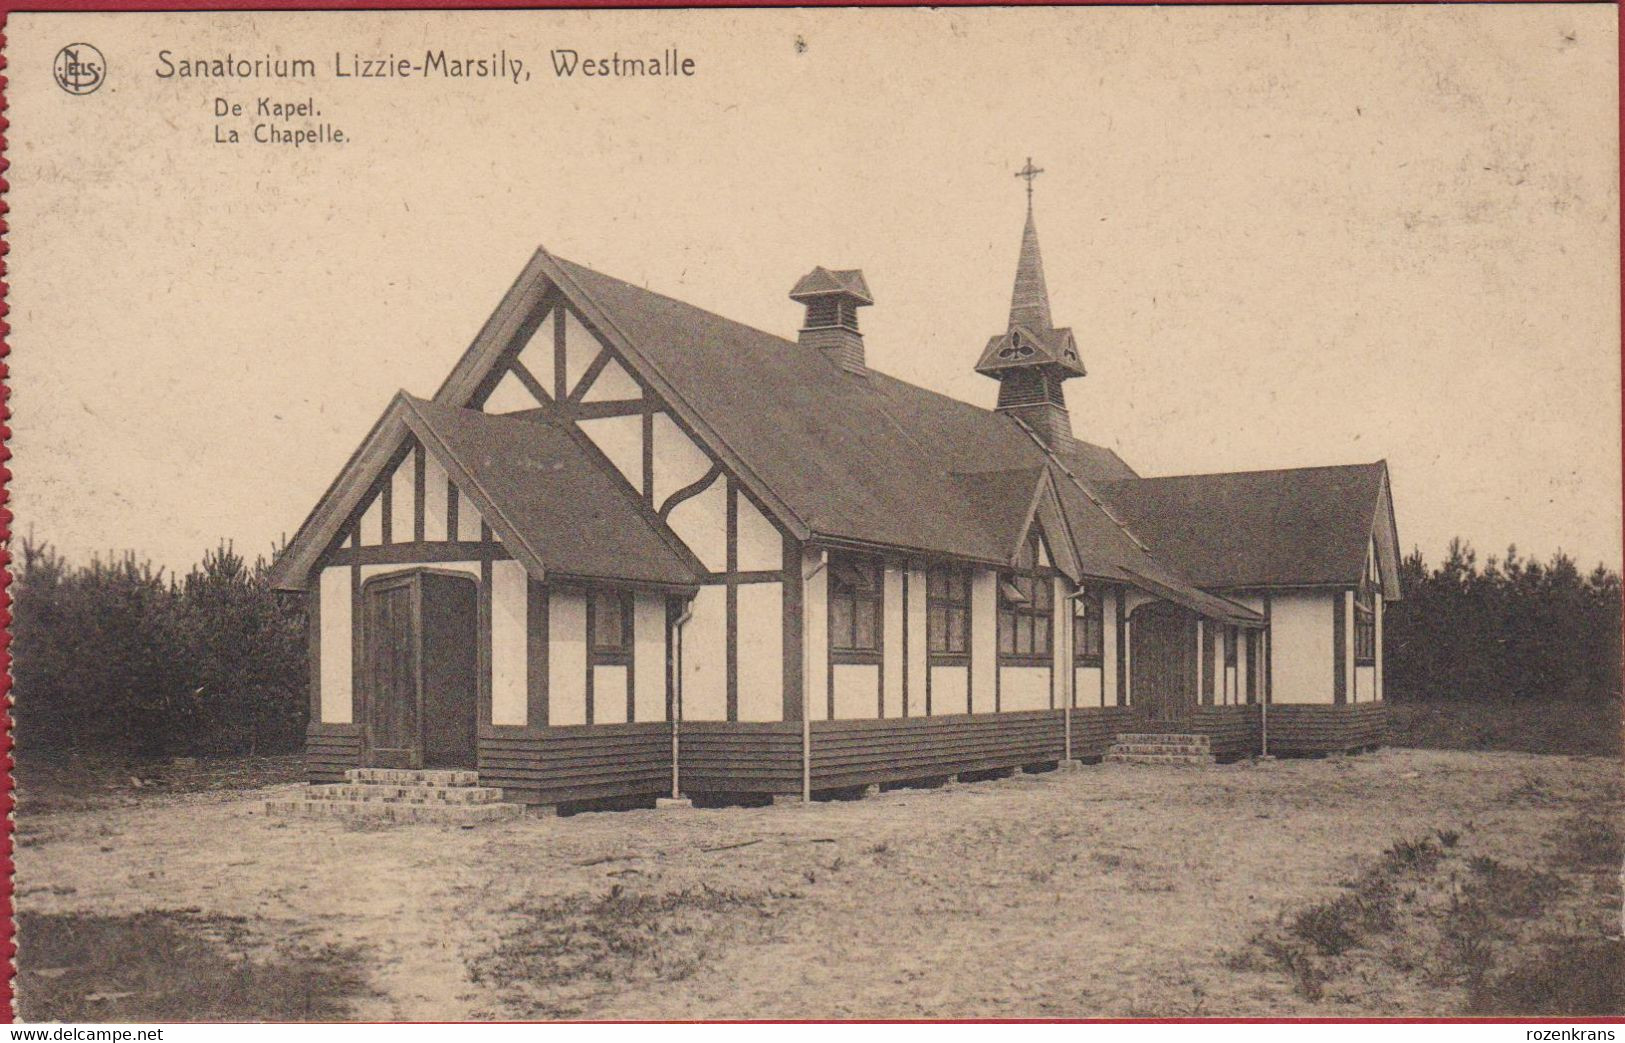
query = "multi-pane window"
x=855 y=593
x=1026 y=607
x=1088 y=629
x=1365 y=626
x=611 y=626
x=947 y=607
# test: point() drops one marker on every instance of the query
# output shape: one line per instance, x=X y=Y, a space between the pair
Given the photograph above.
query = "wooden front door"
x=451 y=620
x=389 y=640
x=420 y=640
x=1162 y=656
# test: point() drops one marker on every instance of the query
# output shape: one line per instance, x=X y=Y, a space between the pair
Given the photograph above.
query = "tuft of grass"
x=1511 y=891
x=1420 y=856
x=1329 y=927
x=172 y=966
x=1573 y=977
x=1308 y=976
x=565 y=951
x=1591 y=842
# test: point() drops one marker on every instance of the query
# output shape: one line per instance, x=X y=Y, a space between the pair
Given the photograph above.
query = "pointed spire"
x=1029 y=301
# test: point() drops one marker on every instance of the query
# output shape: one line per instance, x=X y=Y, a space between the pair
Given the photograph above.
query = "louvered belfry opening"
x=832 y=298
x=1033 y=358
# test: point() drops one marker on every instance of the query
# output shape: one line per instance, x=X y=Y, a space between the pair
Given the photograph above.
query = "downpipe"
x=806 y=673
x=677 y=697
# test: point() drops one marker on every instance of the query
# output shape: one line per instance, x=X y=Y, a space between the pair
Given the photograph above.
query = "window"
x=854 y=608
x=1229 y=646
x=1025 y=611
x=1088 y=629
x=1365 y=626
x=611 y=626
x=947 y=607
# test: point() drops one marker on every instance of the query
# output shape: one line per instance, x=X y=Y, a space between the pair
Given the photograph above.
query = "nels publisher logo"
x=79 y=68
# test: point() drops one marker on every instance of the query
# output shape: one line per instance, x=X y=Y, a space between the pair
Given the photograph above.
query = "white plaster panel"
x=468 y=520
x=537 y=354
x=984 y=639
x=1023 y=688
x=621 y=439
x=892 y=642
x=917 y=643
x=372 y=522
x=336 y=653
x=705 y=657
x=857 y=691
x=580 y=348
x=950 y=687
x=566 y=657
x=509 y=396
x=761 y=548
x=403 y=496
x=1301 y=647
x=1087 y=679
x=613 y=383
x=436 y=487
x=701 y=522
x=679 y=461
x=649 y=656
x=761 y=651
x=1365 y=682
x=509 y=658
x=608 y=694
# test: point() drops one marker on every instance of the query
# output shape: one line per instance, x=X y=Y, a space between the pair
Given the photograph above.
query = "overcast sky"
x=1283 y=237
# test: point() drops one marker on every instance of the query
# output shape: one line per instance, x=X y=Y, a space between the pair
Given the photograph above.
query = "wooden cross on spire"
x=1027 y=174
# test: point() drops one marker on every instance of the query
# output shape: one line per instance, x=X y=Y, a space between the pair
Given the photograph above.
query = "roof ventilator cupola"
x=833 y=299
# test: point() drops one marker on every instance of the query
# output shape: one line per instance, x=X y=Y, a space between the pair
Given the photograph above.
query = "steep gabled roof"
x=549 y=502
x=1308 y=526
x=868 y=459
x=865 y=460
x=573 y=515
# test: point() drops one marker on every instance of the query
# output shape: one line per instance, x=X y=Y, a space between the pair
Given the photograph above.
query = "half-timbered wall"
x=337 y=655
x=1097 y=685
x=1367 y=679
x=536 y=670
x=732 y=646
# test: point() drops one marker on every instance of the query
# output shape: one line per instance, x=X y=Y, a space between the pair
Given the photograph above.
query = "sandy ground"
x=1111 y=891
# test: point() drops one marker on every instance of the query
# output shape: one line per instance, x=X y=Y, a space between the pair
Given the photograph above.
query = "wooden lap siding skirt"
x=590 y=762
x=1302 y=729
x=331 y=750
x=576 y=762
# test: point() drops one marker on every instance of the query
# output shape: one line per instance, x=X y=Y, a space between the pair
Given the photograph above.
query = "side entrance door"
x=1162 y=655
x=420 y=640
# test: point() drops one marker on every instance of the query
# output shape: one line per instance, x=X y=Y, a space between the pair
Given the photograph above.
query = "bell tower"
x=1032 y=358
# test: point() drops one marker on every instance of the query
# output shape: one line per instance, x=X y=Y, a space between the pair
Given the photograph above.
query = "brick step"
x=1138 y=747
x=377 y=791
x=415 y=776
x=1163 y=738
x=390 y=811
x=1159 y=758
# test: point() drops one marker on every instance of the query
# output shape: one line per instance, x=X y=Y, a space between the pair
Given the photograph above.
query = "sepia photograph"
x=816 y=514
